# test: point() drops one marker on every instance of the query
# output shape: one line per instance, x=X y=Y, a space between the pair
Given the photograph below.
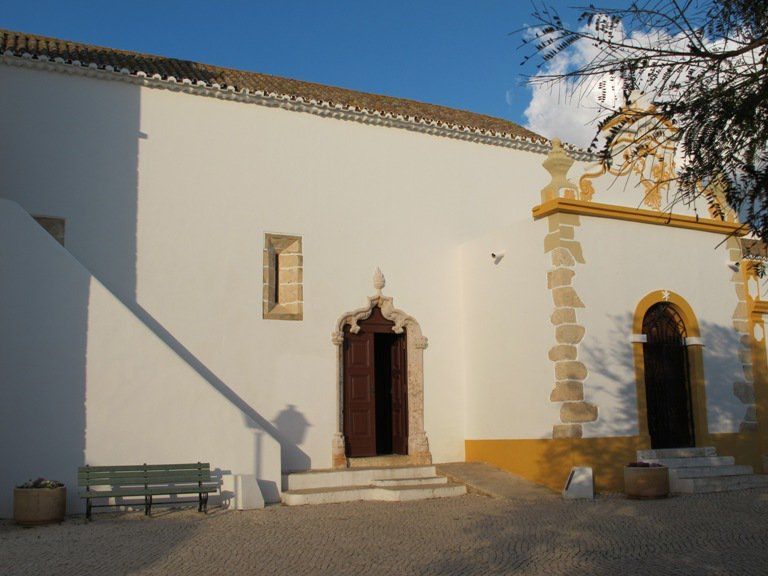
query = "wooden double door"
x=375 y=389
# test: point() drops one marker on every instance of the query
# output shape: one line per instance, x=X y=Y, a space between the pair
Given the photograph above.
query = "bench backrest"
x=144 y=474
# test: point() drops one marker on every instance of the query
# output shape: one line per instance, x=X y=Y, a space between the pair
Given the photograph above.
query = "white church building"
x=205 y=264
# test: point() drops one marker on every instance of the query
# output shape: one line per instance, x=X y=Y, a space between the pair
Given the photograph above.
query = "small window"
x=283 y=277
x=54 y=226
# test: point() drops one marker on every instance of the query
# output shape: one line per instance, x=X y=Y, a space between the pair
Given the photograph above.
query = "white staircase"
x=395 y=484
x=700 y=470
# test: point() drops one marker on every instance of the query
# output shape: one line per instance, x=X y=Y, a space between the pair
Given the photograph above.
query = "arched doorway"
x=400 y=341
x=667 y=378
x=375 y=399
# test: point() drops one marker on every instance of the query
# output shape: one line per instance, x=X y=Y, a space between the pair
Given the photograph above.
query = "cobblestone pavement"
x=701 y=535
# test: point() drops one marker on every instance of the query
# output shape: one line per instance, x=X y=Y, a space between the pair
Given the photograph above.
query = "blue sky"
x=456 y=53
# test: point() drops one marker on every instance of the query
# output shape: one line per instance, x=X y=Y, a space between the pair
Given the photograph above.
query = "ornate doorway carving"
x=375 y=399
x=355 y=368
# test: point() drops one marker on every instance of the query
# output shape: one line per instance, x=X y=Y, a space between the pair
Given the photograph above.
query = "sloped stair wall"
x=86 y=381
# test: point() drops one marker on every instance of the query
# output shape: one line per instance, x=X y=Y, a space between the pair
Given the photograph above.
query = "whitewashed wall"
x=87 y=382
x=625 y=262
x=167 y=197
x=508 y=333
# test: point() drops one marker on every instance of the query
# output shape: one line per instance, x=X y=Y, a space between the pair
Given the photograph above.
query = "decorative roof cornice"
x=639 y=215
x=317 y=106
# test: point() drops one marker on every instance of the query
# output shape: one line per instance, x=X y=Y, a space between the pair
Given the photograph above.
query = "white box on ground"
x=580 y=484
x=247 y=492
x=241 y=492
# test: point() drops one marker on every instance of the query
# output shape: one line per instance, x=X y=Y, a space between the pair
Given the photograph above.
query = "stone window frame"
x=284 y=264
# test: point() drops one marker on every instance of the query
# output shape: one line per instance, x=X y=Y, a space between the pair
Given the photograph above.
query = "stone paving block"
x=713 y=534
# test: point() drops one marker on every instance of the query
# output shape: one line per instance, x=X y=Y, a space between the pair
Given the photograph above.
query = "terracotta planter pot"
x=643 y=483
x=35 y=506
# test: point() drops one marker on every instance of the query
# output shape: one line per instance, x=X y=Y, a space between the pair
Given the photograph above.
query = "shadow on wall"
x=292 y=427
x=612 y=375
x=42 y=362
x=67 y=152
x=85 y=133
x=88 y=133
x=293 y=422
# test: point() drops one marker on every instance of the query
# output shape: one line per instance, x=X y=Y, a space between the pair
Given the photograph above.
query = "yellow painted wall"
x=743 y=447
x=548 y=462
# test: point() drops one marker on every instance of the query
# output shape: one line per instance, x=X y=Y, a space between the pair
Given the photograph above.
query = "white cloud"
x=555 y=114
x=570 y=112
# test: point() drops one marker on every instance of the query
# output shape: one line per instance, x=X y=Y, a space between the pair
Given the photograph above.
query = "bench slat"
x=148 y=492
x=126 y=473
x=142 y=467
x=147 y=480
x=134 y=478
x=139 y=472
x=135 y=472
x=143 y=481
x=128 y=480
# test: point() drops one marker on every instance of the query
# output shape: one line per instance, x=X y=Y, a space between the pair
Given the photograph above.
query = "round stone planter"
x=646 y=482
x=36 y=506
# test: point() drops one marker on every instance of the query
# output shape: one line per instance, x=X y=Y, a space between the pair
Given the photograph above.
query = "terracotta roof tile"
x=19 y=43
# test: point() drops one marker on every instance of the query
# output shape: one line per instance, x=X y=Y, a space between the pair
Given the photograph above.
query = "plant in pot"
x=644 y=480
x=39 y=501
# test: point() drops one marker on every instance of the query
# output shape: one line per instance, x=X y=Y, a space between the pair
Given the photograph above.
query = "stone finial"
x=557 y=163
x=379 y=281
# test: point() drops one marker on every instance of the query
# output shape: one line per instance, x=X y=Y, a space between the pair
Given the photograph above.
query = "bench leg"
x=147 y=505
x=88 y=509
x=202 y=502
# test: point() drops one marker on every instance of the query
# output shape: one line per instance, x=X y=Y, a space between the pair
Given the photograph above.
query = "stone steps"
x=391 y=461
x=411 y=481
x=692 y=462
x=353 y=477
x=703 y=452
x=717 y=484
x=709 y=471
x=396 y=484
x=394 y=493
x=701 y=470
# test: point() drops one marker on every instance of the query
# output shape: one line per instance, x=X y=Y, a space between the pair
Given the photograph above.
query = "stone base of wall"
x=743 y=446
x=548 y=462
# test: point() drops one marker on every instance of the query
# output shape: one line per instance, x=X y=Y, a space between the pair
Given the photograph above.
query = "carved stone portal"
x=418 y=445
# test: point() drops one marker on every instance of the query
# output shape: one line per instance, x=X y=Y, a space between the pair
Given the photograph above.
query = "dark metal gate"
x=667 y=382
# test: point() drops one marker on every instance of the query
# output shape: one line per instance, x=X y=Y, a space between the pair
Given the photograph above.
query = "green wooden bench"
x=146 y=480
